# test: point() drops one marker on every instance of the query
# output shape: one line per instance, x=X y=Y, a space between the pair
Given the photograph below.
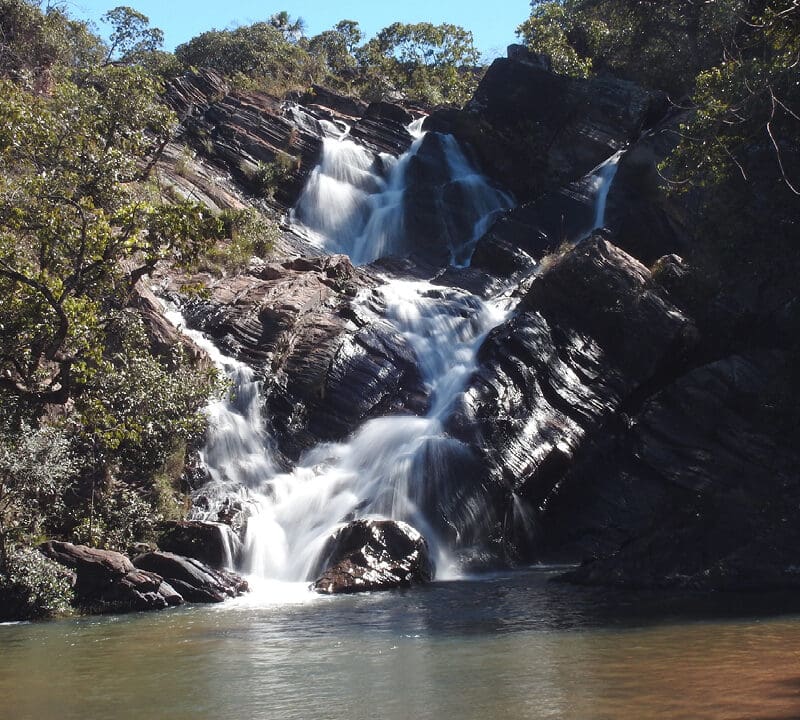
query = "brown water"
x=513 y=646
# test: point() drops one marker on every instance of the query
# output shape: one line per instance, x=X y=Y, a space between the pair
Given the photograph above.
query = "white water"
x=393 y=467
x=354 y=201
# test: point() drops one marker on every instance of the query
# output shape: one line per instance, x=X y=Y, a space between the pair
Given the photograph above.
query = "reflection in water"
x=502 y=647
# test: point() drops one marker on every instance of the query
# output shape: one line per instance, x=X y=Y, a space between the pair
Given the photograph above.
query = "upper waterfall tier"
x=430 y=202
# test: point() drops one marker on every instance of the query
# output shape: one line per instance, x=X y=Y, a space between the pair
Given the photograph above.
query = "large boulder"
x=212 y=543
x=533 y=131
x=194 y=580
x=373 y=555
x=108 y=581
x=727 y=490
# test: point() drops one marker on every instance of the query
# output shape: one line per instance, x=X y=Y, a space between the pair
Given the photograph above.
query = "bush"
x=33 y=586
x=36 y=469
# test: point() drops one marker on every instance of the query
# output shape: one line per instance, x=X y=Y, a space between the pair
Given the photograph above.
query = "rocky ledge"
x=107 y=581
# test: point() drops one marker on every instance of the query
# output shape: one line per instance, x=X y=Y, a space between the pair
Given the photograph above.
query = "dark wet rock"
x=646 y=222
x=725 y=492
x=346 y=105
x=440 y=212
x=194 y=580
x=533 y=131
x=212 y=543
x=373 y=555
x=108 y=581
x=383 y=128
x=525 y=234
x=592 y=332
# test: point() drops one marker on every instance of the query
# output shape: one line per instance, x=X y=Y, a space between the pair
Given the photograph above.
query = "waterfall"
x=398 y=467
x=355 y=201
x=382 y=471
x=602 y=178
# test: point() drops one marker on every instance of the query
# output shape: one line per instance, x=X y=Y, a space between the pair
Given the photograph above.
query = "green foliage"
x=32 y=42
x=266 y=177
x=659 y=45
x=36 y=469
x=32 y=586
x=70 y=223
x=335 y=48
x=432 y=63
x=546 y=31
x=257 y=55
x=116 y=518
x=132 y=39
x=137 y=406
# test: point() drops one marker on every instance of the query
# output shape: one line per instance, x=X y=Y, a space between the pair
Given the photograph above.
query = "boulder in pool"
x=194 y=580
x=373 y=555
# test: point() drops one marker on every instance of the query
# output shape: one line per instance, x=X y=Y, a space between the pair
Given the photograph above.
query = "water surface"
x=507 y=646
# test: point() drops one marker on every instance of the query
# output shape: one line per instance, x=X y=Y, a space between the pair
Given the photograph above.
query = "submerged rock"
x=373 y=555
x=108 y=581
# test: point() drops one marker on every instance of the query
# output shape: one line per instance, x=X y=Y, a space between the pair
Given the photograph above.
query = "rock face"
x=533 y=131
x=727 y=492
x=270 y=146
x=329 y=363
x=373 y=555
x=194 y=580
x=592 y=332
x=108 y=581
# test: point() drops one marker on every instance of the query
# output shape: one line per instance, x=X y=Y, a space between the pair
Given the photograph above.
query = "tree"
x=336 y=47
x=660 y=45
x=73 y=236
x=257 y=54
x=740 y=147
x=132 y=39
x=433 y=63
x=32 y=42
x=292 y=30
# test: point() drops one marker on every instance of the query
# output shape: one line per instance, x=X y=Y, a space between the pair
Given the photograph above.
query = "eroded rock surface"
x=722 y=492
x=373 y=555
x=328 y=363
x=533 y=131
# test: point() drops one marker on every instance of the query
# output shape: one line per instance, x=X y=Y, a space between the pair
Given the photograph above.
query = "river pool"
x=512 y=645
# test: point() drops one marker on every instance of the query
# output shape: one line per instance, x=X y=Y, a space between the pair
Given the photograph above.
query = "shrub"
x=33 y=586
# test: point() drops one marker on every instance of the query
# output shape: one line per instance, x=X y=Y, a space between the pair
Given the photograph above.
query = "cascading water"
x=379 y=471
x=602 y=178
x=393 y=467
x=354 y=201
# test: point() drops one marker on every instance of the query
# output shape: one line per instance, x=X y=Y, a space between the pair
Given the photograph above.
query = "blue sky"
x=492 y=22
